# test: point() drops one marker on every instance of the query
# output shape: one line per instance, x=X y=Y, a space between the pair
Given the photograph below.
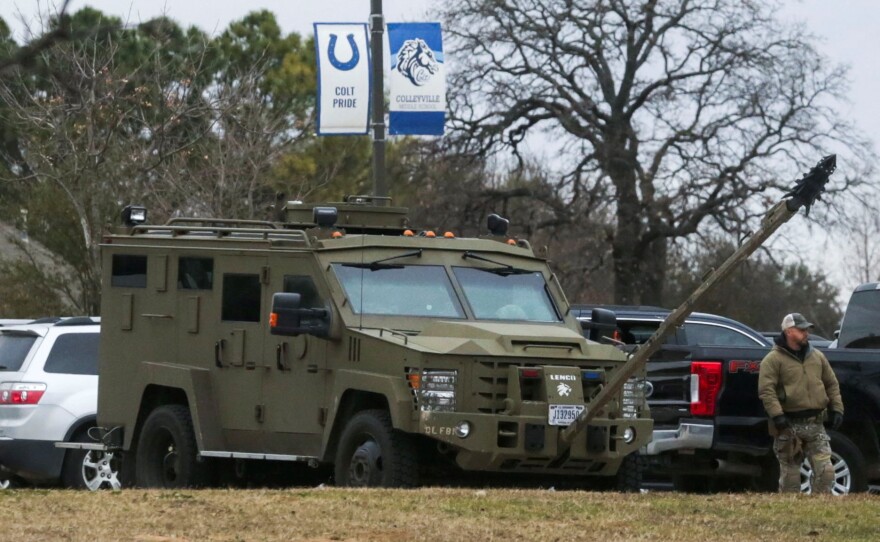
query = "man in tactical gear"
x=797 y=386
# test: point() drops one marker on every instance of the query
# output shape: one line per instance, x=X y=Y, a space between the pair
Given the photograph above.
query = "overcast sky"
x=848 y=32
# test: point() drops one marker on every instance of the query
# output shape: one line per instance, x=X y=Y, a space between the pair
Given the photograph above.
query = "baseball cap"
x=797 y=320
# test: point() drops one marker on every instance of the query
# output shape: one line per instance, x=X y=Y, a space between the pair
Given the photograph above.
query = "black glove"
x=781 y=422
x=835 y=419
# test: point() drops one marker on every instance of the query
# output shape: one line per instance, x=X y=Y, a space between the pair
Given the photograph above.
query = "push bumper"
x=529 y=444
x=689 y=435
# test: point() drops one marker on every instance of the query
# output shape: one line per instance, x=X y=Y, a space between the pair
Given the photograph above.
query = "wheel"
x=629 y=477
x=372 y=454
x=167 y=454
x=90 y=469
x=849 y=467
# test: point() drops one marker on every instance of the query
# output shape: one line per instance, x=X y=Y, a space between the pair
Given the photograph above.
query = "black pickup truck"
x=710 y=427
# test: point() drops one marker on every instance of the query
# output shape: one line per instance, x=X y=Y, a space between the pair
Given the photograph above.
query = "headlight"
x=629 y=435
x=462 y=429
x=434 y=389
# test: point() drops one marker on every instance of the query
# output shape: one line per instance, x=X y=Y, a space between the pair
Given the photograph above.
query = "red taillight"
x=705 y=385
x=21 y=393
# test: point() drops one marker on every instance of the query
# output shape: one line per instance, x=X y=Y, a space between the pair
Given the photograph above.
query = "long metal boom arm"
x=807 y=190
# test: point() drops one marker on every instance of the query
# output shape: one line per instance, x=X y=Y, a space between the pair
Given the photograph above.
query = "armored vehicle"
x=339 y=336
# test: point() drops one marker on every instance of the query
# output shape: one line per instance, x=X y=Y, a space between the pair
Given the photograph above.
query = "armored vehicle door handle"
x=161 y=316
x=218 y=353
x=281 y=357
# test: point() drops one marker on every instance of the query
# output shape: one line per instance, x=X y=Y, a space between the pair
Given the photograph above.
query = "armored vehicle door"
x=234 y=320
x=295 y=376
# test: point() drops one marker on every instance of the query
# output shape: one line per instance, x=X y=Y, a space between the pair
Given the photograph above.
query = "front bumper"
x=689 y=435
x=32 y=460
x=508 y=443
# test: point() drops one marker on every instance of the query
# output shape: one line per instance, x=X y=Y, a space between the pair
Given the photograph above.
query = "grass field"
x=332 y=514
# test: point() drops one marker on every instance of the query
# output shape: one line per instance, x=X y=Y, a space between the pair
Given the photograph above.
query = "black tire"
x=90 y=469
x=372 y=453
x=632 y=470
x=850 y=475
x=167 y=454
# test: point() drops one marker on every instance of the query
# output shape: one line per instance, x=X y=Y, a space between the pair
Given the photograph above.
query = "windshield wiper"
x=505 y=270
x=379 y=264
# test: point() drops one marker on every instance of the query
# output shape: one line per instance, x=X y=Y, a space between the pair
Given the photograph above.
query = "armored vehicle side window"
x=305 y=287
x=74 y=354
x=195 y=273
x=411 y=290
x=129 y=271
x=495 y=296
x=241 y=297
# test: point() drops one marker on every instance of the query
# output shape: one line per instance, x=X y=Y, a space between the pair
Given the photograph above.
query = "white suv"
x=49 y=393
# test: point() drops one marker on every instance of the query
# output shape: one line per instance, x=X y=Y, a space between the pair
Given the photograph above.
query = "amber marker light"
x=430 y=234
x=415 y=380
x=408 y=233
x=449 y=235
x=273 y=319
x=336 y=234
x=511 y=241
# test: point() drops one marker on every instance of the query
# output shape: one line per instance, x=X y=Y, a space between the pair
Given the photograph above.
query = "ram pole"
x=804 y=194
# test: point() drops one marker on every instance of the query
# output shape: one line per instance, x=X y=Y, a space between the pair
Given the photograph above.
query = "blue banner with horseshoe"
x=343 y=54
x=418 y=79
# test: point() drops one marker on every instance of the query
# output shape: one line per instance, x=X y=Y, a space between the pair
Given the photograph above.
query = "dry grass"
x=325 y=514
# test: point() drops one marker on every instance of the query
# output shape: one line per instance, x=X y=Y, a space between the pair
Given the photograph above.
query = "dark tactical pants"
x=806 y=438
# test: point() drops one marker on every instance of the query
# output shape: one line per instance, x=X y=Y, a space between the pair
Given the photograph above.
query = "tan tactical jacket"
x=785 y=384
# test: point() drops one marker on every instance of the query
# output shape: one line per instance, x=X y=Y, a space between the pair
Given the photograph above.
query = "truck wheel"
x=372 y=453
x=90 y=469
x=167 y=451
x=849 y=467
x=629 y=478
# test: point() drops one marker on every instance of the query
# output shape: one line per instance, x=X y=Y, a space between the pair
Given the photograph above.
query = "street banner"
x=418 y=79
x=343 y=54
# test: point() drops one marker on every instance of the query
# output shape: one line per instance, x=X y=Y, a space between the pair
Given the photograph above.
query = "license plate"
x=564 y=414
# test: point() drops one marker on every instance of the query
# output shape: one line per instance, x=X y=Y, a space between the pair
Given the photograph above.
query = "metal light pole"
x=377 y=28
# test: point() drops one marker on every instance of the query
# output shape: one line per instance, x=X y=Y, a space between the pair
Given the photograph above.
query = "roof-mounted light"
x=133 y=215
x=325 y=217
x=497 y=224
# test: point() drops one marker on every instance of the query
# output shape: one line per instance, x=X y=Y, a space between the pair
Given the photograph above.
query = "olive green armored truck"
x=338 y=336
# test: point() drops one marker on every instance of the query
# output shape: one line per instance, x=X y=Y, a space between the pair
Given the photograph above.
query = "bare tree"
x=675 y=114
x=134 y=116
x=863 y=257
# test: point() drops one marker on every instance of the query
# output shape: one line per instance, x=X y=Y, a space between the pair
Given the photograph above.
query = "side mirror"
x=603 y=323
x=288 y=318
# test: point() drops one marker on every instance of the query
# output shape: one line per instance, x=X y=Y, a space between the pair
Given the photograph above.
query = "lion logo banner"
x=343 y=56
x=418 y=79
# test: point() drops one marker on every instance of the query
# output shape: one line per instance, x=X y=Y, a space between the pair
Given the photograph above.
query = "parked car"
x=49 y=393
x=710 y=428
x=816 y=340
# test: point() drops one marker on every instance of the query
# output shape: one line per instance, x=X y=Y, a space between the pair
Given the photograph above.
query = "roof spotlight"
x=133 y=215
x=497 y=224
x=325 y=217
